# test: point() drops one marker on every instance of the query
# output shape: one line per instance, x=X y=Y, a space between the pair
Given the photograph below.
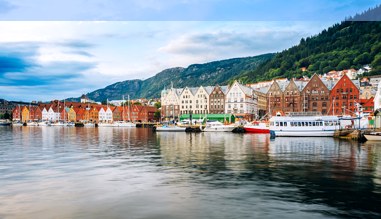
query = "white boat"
x=124 y=124
x=60 y=123
x=304 y=125
x=105 y=124
x=70 y=124
x=17 y=124
x=43 y=123
x=166 y=128
x=216 y=126
x=31 y=123
x=5 y=123
x=373 y=136
x=89 y=124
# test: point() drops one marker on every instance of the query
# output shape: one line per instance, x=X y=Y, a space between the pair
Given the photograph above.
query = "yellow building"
x=25 y=114
x=71 y=114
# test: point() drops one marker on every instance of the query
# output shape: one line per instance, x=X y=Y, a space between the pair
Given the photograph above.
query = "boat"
x=59 y=123
x=31 y=123
x=5 y=123
x=43 y=123
x=304 y=125
x=101 y=124
x=17 y=124
x=70 y=124
x=257 y=127
x=166 y=128
x=216 y=126
x=373 y=136
x=88 y=124
x=124 y=124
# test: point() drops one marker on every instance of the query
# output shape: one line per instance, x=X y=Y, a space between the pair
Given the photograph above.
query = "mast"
x=128 y=108
x=124 y=106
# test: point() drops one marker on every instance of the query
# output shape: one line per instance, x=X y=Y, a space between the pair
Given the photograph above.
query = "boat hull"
x=256 y=130
x=219 y=129
x=170 y=129
x=314 y=133
x=373 y=137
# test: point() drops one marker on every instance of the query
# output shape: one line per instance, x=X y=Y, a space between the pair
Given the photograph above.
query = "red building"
x=343 y=97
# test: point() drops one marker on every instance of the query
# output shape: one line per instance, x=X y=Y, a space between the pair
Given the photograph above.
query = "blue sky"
x=56 y=49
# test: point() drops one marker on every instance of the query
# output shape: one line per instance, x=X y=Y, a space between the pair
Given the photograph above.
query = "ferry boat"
x=216 y=126
x=308 y=124
x=257 y=127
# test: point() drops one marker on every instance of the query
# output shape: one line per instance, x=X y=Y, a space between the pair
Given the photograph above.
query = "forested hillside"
x=350 y=44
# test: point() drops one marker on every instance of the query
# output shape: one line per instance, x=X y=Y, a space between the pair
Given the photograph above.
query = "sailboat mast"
x=128 y=96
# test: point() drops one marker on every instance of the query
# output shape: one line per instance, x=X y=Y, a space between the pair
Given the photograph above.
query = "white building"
x=377 y=98
x=187 y=100
x=170 y=103
x=241 y=101
x=105 y=114
x=201 y=99
x=45 y=115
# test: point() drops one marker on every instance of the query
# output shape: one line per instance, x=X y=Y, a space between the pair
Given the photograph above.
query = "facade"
x=187 y=100
x=217 y=100
x=25 y=114
x=201 y=100
x=291 y=98
x=275 y=99
x=241 y=101
x=170 y=103
x=315 y=96
x=16 y=113
x=343 y=97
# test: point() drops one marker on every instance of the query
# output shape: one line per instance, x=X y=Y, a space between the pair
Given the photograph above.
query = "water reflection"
x=55 y=172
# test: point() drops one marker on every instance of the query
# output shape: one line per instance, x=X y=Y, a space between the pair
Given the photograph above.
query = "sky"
x=52 y=49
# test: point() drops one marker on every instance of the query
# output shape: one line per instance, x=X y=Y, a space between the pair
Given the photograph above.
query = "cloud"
x=6 y=6
x=231 y=42
x=21 y=68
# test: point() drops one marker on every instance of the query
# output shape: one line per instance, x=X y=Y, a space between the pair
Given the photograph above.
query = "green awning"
x=219 y=117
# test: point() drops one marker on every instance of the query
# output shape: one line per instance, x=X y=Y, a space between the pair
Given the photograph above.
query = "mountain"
x=350 y=44
x=212 y=73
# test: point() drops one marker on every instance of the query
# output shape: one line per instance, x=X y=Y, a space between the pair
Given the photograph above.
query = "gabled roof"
x=301 y=84
x=283 y=85
x=193 y=90
x=209 y=89
x=224 y=89
x=247 y=90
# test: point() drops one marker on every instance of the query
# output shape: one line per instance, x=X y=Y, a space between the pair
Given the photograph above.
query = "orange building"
x=343 y=97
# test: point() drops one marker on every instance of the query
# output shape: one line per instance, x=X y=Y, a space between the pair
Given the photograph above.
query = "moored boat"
x=216 y=126
x=124 y=124
x=166 y=128
x=5 y=123
x=304 y=125
x=373 y=136
x=257 y=127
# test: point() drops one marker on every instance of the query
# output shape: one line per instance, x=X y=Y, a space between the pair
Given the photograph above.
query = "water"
x=56 y=172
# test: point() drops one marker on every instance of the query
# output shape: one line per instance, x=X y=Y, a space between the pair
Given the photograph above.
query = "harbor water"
x=62 y=172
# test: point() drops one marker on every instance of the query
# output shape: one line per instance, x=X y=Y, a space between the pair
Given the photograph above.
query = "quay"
x=353 y=134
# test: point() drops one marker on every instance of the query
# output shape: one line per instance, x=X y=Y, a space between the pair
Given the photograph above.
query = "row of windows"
x=305 y=124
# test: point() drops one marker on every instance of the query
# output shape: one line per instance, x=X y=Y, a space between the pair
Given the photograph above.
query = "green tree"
x=376 y=63
x=343 y=65
x=157 y=115
x=7 y=115
x=158 y=105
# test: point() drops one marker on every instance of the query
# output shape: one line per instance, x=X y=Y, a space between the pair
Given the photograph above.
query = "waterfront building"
x=275 y=98
x=315 y=96
x=105 y=114
x=217 y=99
x=25 y=114
x=187 y=100
x=291 y=97
x=344 y=96
x=79 y=114
x=170 y=103
x=262 y=100
x=117 y=114
x=94 y=114
x=201 y=100
x=16 y=113
x=241 y=101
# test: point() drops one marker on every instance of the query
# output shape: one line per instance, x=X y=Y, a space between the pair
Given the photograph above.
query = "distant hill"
x=212 y=73
x=350 y=44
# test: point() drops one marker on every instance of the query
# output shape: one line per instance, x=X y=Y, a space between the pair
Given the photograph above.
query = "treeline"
x=349 y=44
